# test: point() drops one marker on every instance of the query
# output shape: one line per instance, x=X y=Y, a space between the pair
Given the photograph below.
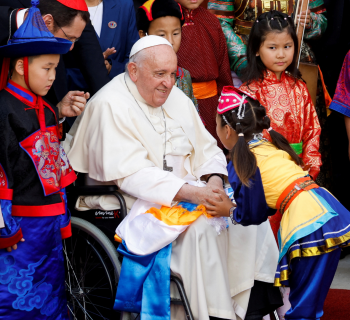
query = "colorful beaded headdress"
x=232 y=98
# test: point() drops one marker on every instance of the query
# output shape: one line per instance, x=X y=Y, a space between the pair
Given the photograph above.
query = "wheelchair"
x=92 y=262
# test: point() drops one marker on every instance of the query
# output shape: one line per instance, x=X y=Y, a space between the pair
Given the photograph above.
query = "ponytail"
x=253 y=122
x=243 y=159
x=281 y=143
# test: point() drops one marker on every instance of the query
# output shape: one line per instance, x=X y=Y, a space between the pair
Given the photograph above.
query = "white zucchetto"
x=147 y=42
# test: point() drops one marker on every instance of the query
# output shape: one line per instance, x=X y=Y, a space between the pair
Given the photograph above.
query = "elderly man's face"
x=155 y=75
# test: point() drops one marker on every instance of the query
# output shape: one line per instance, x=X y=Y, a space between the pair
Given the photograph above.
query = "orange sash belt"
x=292 y=191
x=205 y=90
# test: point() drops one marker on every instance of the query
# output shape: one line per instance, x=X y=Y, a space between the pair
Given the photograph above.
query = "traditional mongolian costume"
x=203 y=52
x=135 y=148
x=341 y=100
x=237 y=18
x=224 y=10
x=154 y=9
x=292 y=113
x=34 y=171
x=313 y=228
x=244 y=13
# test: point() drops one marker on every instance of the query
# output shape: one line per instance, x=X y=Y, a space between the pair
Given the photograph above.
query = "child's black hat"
x=154 y=9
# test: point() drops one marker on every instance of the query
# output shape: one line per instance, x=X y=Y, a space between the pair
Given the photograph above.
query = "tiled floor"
x=342 y=276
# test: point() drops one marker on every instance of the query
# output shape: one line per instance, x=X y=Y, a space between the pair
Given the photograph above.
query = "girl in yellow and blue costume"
x=266 y=176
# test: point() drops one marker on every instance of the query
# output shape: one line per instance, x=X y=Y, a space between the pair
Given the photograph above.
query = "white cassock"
x=121 y=140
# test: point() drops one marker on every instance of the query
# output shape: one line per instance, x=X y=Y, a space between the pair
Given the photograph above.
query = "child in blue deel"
x=34 y=171
x=268 y=175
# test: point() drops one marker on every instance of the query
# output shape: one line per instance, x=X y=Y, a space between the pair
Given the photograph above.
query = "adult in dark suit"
x=62 y=21
x=115 y=25
x=118 y=31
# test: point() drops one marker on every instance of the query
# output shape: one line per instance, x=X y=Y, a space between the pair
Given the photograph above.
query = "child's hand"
x=109 y=52
x=73 y=104
x=219 y=208
x=106 y=54
x=14 y=247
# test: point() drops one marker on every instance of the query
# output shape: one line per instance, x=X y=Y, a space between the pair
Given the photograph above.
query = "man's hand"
x=106 y=54
x=305 y=19
x=73 y=104
x=197 y=195
x=14 y=247
x=206 y=194
x=219 y=207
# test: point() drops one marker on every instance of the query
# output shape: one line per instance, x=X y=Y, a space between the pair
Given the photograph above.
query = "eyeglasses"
x=69 y=38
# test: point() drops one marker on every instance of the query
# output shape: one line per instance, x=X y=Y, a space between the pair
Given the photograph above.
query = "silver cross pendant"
x=165 y=166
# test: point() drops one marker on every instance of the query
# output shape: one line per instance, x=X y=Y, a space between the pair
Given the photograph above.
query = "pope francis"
x=144 y=134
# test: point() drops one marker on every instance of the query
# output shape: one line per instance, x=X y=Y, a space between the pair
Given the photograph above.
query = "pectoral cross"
x=165 y=166
x=2 y=224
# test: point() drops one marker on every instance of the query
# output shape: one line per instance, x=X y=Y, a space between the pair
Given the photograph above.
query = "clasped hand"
x=214 y=198
x=219 y=205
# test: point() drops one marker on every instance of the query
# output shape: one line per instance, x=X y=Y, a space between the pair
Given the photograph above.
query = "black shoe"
x=344 y=252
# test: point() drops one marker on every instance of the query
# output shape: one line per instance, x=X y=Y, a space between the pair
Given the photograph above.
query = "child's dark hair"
x=254 y=121
x=272 y=21
x=159 y=9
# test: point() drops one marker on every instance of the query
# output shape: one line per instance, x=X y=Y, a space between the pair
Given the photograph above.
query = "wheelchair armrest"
x=93 y=190
x=101 y=190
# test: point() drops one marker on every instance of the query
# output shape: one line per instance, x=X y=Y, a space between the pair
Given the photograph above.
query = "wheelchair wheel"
x=92 y=273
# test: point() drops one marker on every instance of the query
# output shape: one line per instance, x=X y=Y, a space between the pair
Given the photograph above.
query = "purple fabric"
x=341 y=100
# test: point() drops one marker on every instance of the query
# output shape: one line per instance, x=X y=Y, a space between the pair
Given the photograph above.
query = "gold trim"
x=303 y=253
x=332 y=242
x=310 y=252
x=277 y=283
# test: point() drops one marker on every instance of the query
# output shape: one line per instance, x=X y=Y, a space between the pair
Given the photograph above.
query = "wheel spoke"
x=72 y=313
x=82 y=308
x=65 y=251
x=91 y=274
x=93 y=288
x=101 y=297
x=96 y=305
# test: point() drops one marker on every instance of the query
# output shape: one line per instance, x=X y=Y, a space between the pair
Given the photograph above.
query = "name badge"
x=112 y=24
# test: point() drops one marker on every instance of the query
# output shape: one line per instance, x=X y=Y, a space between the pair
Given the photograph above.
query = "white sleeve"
x=152 y=184
x=216 y=164
x=20 y=17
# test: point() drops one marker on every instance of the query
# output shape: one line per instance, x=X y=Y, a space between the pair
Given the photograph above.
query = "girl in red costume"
x=272 y=77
